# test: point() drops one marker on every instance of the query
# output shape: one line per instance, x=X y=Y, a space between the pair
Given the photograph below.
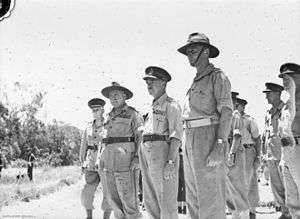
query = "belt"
x=155 y=137
x=112 y=140
x=297 y=140
x=90 y=147
x=199 y=122
x=248 y=145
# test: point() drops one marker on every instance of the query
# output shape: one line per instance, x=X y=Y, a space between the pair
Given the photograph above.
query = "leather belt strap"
x=155 y=137
x=112 y=140
x=248 y=145
x=90 y=147
x=199 y=122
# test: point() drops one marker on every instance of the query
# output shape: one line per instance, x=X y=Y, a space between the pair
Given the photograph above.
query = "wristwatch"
x=170 y=162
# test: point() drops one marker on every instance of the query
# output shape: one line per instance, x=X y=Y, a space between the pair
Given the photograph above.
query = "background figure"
x=271 y=146
x=252 y=144
x=207 y=117
x=90 y=149
x=30 y=166
x=289 y=129
x=236 y=194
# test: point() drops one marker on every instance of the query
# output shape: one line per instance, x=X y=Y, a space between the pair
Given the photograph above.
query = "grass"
x=46 y=180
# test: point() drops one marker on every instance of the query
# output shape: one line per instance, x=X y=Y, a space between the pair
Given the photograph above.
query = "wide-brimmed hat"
x=116 y=86
x=200 y=39
x=272 y=87
x=241 y=101
x=234 y=94
x=96 y=102
x=289 y=68
x=155 y=72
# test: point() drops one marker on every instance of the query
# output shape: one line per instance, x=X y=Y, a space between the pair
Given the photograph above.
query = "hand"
x=216 y=156
x=169 y=171
x=256 y=163
x=231 y=159
x=134 y=163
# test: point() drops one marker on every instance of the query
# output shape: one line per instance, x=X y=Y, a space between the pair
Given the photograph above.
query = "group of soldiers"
x=220 y=143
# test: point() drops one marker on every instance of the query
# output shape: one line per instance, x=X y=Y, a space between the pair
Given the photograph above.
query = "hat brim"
x=287 y=73
x=213 y=51
x=150 y=77
x=105 y=91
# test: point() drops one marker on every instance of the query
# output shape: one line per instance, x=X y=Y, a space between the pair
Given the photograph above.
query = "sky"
x=73 y=49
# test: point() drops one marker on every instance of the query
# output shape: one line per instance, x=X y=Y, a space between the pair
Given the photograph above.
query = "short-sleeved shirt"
x=90 y=145
x=250 y=129
x=208 y=94
x=273 y=143
x=124 y=122
x=164 y=118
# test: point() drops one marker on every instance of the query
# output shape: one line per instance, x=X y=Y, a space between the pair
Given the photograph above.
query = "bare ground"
x=65 y=204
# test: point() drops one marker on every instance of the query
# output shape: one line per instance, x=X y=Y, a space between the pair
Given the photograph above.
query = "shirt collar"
x=118 y=110
x=160 y=100
x=205 y=72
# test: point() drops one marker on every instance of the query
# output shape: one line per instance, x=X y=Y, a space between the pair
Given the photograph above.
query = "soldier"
x=207 y=117
x=30 y=166
x=121 y=163
x=159 y=156
x=237 y=196
x=289 y=129
x=252 y=143
x=89 y=149
x=271 y=147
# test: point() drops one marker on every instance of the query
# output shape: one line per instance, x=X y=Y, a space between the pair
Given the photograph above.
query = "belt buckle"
x=128 y=139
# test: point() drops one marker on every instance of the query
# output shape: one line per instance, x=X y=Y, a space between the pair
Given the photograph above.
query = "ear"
x=206 y=51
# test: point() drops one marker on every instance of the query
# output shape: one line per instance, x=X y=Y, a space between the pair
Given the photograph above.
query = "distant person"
x=252 y=145
x=1 y=164
x=89 y=151
x=30 y=166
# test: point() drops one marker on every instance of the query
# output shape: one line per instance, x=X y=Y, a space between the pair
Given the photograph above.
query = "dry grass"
x=46 y=180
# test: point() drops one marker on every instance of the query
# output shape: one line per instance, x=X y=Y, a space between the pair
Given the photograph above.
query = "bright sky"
x=72 y=49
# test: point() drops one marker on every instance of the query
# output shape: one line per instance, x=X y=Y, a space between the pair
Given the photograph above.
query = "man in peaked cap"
x=89 y=154
x=124 y=127
x=271 y=145
x=207 y=117
x=252 y=145
x=289 y=128
x=159 y=156
x=236 y=194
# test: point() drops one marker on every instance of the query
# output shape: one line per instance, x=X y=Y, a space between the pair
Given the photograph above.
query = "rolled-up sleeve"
x=222 y=91
x=236 y=125
x=254 y=129
x=174 y=121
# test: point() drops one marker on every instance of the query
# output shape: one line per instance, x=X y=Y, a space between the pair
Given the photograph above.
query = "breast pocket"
x=122 y=125
x=161 y=122
x=201 y=97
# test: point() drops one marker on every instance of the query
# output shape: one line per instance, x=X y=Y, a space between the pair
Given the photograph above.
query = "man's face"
x=287 y=81
x=155 y=86
x=117 y=98
x=272 y=96
x=192 y=53
x=97 y=112
x=240 y=107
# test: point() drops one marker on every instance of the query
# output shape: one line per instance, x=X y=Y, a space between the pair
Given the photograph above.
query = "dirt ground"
x=65 y=204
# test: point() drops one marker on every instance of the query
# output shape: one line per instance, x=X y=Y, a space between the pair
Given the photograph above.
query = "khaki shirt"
x=164 y=118
x=271 y=135
x=209 y=93
x=250 y=130
x=124 y=122
x=92 y=137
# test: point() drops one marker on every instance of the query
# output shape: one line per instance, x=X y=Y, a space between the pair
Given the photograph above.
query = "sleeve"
x=222 y=92
x=83 y=146
x=137 y=123
x=236 y=125
x=174 y=121
x=254 y=129
x=285 y=124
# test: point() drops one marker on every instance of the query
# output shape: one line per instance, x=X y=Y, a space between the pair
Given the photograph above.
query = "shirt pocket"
x=122 y=125
x=161 y=122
